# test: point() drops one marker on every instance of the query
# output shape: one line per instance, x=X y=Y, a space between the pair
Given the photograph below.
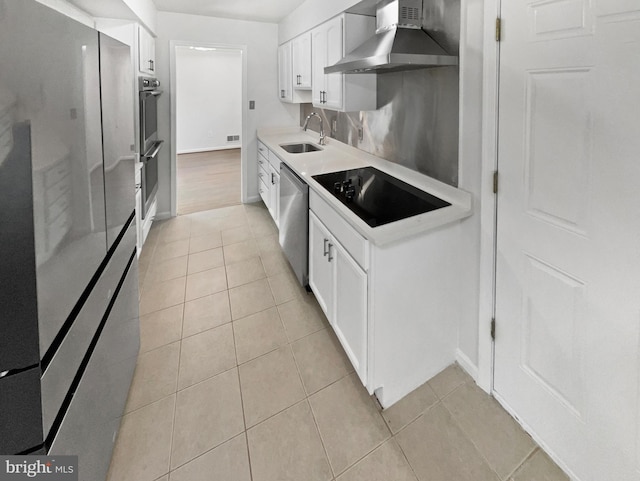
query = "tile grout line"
x=175 y=406
x=465 y=433
x=244 y=417
x=313 y=416
x=526 y=459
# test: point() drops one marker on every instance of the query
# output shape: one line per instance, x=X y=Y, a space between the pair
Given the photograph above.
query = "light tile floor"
x=240 y=378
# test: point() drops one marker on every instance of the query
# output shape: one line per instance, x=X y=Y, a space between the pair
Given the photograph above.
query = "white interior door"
x=568 y=243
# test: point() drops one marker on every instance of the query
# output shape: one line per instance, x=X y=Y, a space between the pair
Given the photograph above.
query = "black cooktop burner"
x=378 y=198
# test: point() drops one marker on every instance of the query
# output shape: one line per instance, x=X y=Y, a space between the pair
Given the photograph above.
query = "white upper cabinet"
x=329 y=43
x=302 y=62
x=285 y=87
x=288 y=91
x=146 y=52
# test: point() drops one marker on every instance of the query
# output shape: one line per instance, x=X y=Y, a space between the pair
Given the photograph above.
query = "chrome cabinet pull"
x=326 y=251
x=272 y=181
x=330 y=256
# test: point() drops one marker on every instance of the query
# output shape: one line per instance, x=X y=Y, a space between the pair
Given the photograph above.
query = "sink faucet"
x=306 y=124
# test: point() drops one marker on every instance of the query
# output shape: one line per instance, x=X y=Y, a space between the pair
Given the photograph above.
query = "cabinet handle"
x=151 y=65
x=260 y=162
x=330 y=256
x=326 y=251
x=282 y=94
x=272 y=181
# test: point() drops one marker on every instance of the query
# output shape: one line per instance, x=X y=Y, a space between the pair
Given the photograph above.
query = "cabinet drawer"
x=56 y=173
x=264 y=192
x=356 y=245
x=262 y=150
x=274 y=160
x=262 y=161
x=263 y=173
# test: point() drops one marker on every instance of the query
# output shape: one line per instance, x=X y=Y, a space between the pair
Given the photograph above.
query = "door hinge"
x=498 y=29
x=495 y=182
x=493 y=328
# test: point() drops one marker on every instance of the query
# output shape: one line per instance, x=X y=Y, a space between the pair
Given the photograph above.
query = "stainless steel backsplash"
x=416 y=124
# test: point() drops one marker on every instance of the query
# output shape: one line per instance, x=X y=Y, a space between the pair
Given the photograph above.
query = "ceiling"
x=257 y=10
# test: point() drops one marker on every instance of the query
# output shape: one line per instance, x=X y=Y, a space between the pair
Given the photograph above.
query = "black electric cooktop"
x=378 y=198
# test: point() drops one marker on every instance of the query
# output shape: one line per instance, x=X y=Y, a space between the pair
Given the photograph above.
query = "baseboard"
x=163 y=215
x=210 y=149
x=539 y=441
x=253 y=199
x=466 y=364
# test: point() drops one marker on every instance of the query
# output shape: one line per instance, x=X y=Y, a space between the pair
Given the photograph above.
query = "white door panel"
x=567 y=350
x=350 y=297
x=320 y=269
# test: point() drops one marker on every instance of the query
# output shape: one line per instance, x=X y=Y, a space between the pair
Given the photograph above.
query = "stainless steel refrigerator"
x=69 y=333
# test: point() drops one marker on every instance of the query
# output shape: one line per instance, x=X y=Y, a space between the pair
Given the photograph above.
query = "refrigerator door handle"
x=153 y=151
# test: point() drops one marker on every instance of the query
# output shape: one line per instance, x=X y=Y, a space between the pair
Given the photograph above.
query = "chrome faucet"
x=306 y=124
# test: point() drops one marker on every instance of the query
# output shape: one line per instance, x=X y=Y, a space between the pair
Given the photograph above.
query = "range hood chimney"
x=399 y=43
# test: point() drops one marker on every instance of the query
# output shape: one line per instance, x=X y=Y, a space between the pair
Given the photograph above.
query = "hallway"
x=208 y=180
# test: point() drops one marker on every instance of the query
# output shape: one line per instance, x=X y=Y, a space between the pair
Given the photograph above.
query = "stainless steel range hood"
x=399 y=43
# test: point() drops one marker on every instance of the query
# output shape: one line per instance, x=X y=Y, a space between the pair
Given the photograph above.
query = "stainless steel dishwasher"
x=294 y=222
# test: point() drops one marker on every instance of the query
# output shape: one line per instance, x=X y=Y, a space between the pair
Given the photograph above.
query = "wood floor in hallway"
x=208 y=180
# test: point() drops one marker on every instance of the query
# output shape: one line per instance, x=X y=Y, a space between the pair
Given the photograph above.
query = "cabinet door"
x=350 y=321
x=319 y=61
x=274 y=193
x=285 y=74
x=320 y=267
x=146 y=51
x=302 y=62
x=334 y=53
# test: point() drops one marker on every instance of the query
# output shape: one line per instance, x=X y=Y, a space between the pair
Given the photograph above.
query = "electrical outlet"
x=252 y=104
x=334 y=125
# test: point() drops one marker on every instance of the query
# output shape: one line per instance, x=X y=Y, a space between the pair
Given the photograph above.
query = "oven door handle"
x=153 y=151
x=155 y=93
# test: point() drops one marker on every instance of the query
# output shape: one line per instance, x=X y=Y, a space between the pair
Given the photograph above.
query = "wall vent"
x=409 y=14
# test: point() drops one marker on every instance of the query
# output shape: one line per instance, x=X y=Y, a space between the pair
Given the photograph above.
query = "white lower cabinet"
x=395 y=307
x=340 y=285
x=320 y=269
x=269 y=180
x=274 y=194
x=350 y=315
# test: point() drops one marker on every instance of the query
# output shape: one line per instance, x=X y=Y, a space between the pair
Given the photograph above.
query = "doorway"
x=208 y=135
x=567 y=303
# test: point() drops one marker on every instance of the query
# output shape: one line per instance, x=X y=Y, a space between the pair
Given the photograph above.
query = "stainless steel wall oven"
x=149 y=144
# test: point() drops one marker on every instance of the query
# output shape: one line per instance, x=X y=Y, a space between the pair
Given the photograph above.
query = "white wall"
x=261 y=40
x=470 y=176
x=310 y=14
x=209 y=98
x=70 y=10
x=145 y=11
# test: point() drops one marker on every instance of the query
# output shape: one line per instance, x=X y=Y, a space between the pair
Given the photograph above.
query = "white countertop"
x=337 y=156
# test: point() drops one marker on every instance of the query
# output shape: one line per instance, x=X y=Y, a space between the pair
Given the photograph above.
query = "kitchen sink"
x=300 y=148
